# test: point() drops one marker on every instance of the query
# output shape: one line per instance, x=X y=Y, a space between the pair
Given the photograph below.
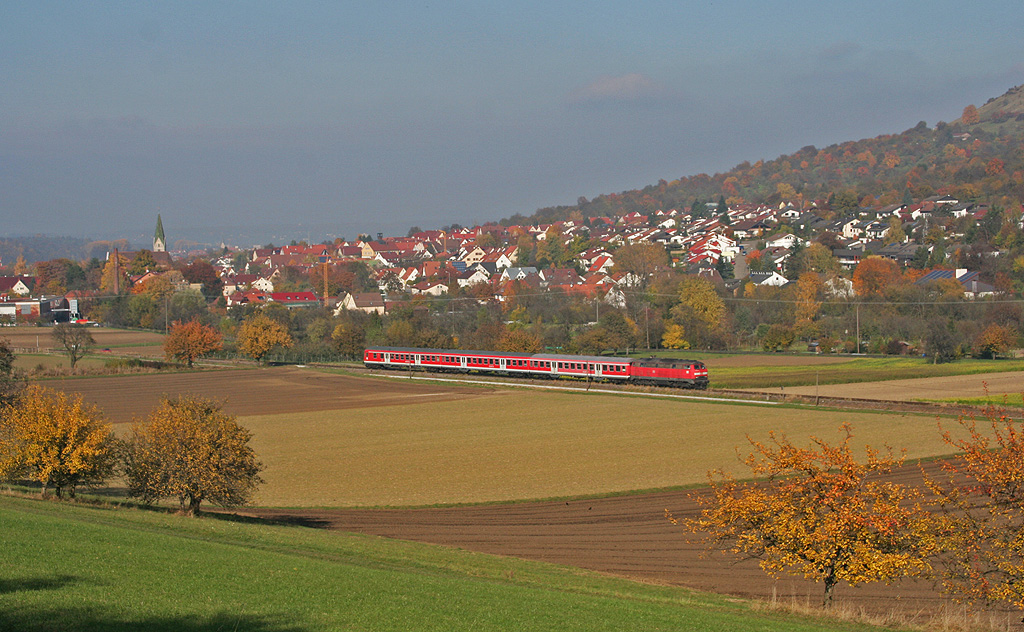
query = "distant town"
x=633 y=264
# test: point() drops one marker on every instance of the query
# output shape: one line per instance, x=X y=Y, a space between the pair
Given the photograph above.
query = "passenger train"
x=655 y=371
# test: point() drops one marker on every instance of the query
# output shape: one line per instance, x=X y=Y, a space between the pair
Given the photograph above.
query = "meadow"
x=97 y=568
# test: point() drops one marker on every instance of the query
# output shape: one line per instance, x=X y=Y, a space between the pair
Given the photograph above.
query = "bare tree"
x=76 y=340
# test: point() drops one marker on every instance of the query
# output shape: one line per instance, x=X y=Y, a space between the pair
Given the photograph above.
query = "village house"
x=369 y=302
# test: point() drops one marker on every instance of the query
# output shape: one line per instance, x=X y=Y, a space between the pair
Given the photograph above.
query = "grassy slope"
x=87 y=568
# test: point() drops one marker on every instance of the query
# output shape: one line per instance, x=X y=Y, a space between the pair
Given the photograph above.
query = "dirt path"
x=627 y=536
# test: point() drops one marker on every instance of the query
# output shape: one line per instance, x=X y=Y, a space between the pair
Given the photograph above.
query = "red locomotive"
x=657 y=371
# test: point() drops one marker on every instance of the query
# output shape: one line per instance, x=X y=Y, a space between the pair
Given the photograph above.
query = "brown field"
x=928 y=388
x=331 y=440
x=627 y=536
x=246 y=392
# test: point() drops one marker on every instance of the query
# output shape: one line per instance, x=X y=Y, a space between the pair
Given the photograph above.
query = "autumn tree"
x=970 y=115
x=259 y=334
x=896 y=234
x=55 y=439
x=76 y=340
x=981 y=494
x=700 y=310
x=519 y=340
x=674 y=337
x=349 y=339
x=191 y=450
x=778 y=338
x=115 y=275
x=641 y=260
x=874 y=276
x=808 y=290
x=820 y=513
x=200 y=271
x=187 y=341
x=994 y=341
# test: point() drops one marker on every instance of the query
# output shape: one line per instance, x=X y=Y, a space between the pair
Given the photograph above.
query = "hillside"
x=979 y=159
x=99 y=568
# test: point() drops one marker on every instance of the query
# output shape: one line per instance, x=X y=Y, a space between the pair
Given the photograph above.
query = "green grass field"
x=856 y=370
x=1010 y=399
x=68 y=567
x=518 y=444
x=28 y=362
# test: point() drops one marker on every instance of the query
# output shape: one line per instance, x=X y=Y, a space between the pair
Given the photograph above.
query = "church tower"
x=159 y=241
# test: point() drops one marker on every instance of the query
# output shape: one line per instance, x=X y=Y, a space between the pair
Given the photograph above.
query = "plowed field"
x=254 y=391
x=627 y=536
x=928 y=388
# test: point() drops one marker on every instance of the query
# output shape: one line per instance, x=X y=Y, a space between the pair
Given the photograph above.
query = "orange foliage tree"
x=983 y=496
x=55 y=439
x=970 y=115
x=519 y=340
x=874 y=276
x=820 y=513
x=192 y=451
x=188 y=341
x=995 y=340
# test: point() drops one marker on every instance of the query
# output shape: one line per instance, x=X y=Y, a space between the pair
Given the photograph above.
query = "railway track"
x=732 y=395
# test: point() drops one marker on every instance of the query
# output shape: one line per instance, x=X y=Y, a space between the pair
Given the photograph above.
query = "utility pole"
x=647 y=324
x=858 y=328
x=117 y=273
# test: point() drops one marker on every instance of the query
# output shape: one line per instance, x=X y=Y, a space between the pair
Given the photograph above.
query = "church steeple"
x=159 y=241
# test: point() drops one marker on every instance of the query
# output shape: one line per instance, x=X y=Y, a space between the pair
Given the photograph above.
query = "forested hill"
x=979 y=157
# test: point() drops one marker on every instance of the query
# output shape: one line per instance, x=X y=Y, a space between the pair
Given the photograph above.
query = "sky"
x=251 y=122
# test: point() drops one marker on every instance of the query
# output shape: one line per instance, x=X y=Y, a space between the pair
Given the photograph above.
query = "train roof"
x=504 y=354
x=652 y=361
x=582 y=358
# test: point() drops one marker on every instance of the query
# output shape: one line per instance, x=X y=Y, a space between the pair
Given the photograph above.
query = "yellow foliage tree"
x=697 y=295
x=115 y=276
x=55 y=439
x=820 y=513
x=192 y=451
x=187 y=341
x=674 y=337
x=259 y=334
x=808 y=288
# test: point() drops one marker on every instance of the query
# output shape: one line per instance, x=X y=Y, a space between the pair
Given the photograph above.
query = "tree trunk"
x=830 y=584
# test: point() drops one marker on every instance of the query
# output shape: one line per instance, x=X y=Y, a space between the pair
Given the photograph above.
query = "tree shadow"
x=85 y=619
x=35 y=583
x=287 y=520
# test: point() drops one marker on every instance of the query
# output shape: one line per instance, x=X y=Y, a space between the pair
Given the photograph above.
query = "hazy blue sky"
x=341 y=117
